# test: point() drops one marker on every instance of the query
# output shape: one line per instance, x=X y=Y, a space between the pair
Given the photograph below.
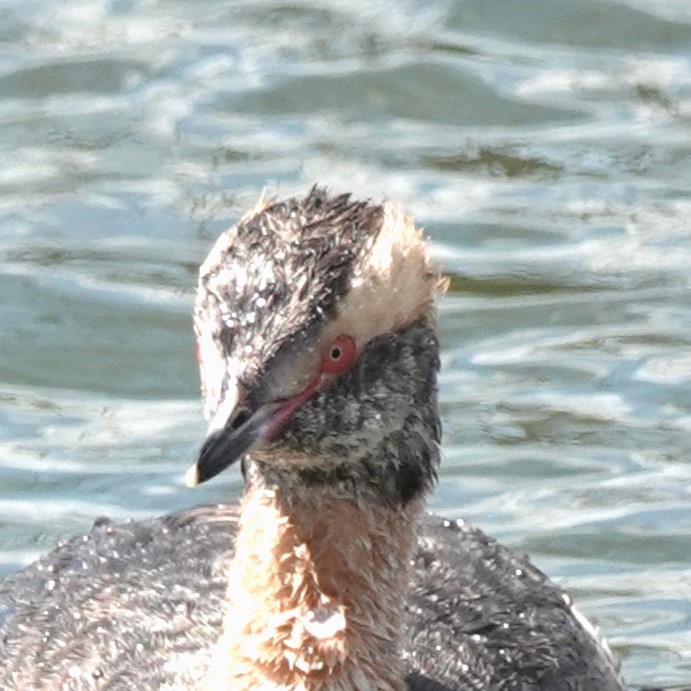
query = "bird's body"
x=477 y=616
x=318 y=352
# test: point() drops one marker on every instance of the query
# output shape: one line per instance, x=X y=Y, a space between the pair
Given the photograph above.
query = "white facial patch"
x=213 y=369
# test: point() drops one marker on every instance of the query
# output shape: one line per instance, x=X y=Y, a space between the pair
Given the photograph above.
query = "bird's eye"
x=339 y=355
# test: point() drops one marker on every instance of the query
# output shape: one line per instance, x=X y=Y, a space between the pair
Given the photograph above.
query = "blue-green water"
x=543 y=144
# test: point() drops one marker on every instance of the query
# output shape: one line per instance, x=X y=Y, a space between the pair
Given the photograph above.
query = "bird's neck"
x=316 y=593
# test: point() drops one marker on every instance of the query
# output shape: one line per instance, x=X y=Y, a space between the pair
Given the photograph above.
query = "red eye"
x=339 y=355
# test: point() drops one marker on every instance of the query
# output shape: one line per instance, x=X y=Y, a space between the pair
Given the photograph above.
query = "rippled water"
x=544 y=145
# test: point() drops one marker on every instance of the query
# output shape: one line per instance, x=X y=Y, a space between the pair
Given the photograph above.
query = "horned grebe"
x=318 y=351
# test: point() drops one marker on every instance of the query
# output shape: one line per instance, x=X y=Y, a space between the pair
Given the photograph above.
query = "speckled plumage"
x=307 y=588
x=167 y=576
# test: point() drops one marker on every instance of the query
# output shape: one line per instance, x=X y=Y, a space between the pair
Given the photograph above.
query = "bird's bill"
x=231 y=435
x=225 y=445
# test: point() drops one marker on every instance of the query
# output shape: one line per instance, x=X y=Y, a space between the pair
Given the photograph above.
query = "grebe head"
x=317 y=347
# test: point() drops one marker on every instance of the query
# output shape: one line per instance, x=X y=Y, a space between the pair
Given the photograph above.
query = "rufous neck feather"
x=316 y=595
